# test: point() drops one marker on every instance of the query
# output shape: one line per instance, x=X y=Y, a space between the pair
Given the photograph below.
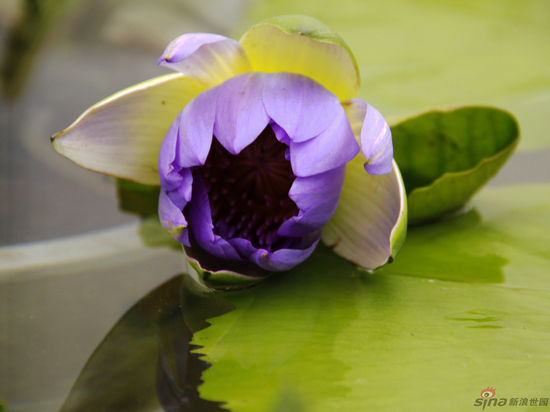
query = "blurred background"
x=61 y=56
x=72 y=262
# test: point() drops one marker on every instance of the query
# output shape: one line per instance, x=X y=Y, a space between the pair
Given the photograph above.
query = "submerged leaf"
x=445 y=156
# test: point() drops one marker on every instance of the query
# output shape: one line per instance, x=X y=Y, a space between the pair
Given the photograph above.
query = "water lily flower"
x=261 y=148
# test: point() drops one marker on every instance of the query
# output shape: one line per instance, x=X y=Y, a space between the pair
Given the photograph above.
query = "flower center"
x=248 y=192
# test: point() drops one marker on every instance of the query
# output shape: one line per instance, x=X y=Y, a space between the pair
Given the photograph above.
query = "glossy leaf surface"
x=330 y=337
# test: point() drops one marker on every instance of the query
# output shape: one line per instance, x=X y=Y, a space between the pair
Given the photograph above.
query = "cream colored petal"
x=370 y=222
x=121 y=135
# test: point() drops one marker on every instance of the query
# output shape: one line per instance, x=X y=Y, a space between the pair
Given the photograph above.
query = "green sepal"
x=137 y=198
x=219 y=279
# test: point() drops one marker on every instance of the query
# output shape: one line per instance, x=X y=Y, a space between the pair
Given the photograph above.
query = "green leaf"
x=502 y=239
x=445 y=156
x=136 y=198
x=142 y=200
x=330 y=337
x=154 y=235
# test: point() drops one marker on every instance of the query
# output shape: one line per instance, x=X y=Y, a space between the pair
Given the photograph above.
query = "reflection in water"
x=145 y=359
x=179 y=369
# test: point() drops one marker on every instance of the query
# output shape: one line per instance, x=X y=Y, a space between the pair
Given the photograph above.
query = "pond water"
x=92 y=318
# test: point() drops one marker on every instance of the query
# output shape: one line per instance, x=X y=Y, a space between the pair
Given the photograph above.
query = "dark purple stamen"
x=248 y=192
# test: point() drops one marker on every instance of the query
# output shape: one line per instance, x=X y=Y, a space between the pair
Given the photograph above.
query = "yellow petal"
x=121 y=135
x=301 y=44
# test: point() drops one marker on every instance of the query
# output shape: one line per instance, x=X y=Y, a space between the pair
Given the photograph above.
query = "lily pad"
x=445 y=156
x=330 y=337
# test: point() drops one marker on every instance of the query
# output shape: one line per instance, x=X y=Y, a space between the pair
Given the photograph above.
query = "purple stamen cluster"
x=248 y=192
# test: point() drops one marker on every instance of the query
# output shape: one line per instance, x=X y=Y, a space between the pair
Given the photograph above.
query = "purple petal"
x=376 y=143
x=209 y=58
x=375 y=136
x=171 y=217
x=317 y=197
x=331 y=149
x=286 y=259
x=240 y=113
x=279 y=260
x=177 y=183
x=200 y=220
x=216 y=265
x=185 y=145
x=280 y=133
x=169 y=176
x=181 y=194
x=196 y=125
x=185 y=45
x=301 y=106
